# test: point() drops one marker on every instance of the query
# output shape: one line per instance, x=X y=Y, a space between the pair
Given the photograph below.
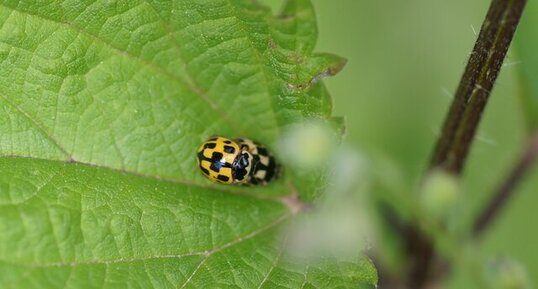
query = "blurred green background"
x=405 y=61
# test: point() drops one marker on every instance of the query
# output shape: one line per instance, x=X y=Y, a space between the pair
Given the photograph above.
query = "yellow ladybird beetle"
x=238 y=161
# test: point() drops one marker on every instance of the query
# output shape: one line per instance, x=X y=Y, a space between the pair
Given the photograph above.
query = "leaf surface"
x=103 y=105
x=526 y=45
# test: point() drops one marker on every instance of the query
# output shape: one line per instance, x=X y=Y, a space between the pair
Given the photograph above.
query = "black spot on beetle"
x=271 y=170
x=210 y=145
x=227 y=142
x=204 y=170
x=223 y=178
x=216 y=156
x=215 y=162
x=262 y=151
x=229 y=149
x=254 y=181
x=201 y=157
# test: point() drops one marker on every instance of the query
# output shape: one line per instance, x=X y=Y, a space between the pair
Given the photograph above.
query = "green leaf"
x=102 y=107
x=526 y=45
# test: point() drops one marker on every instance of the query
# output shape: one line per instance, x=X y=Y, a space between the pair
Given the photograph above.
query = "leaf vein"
x=205 y=253
x=157 y=68
x=36 y=125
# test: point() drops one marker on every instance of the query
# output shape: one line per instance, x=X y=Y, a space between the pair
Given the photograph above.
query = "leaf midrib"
x=216 y=188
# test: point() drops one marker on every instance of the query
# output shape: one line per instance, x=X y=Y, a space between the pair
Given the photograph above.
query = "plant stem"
x=508 y=188
x=476 y=83
x=465 y=113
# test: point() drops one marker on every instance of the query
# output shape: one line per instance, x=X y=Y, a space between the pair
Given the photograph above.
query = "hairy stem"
x=508 y=187
x=476 y=83
x=465 y=113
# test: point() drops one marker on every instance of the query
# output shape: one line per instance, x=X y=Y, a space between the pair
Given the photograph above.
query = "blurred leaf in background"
x=526 y=45
x=405 y=59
